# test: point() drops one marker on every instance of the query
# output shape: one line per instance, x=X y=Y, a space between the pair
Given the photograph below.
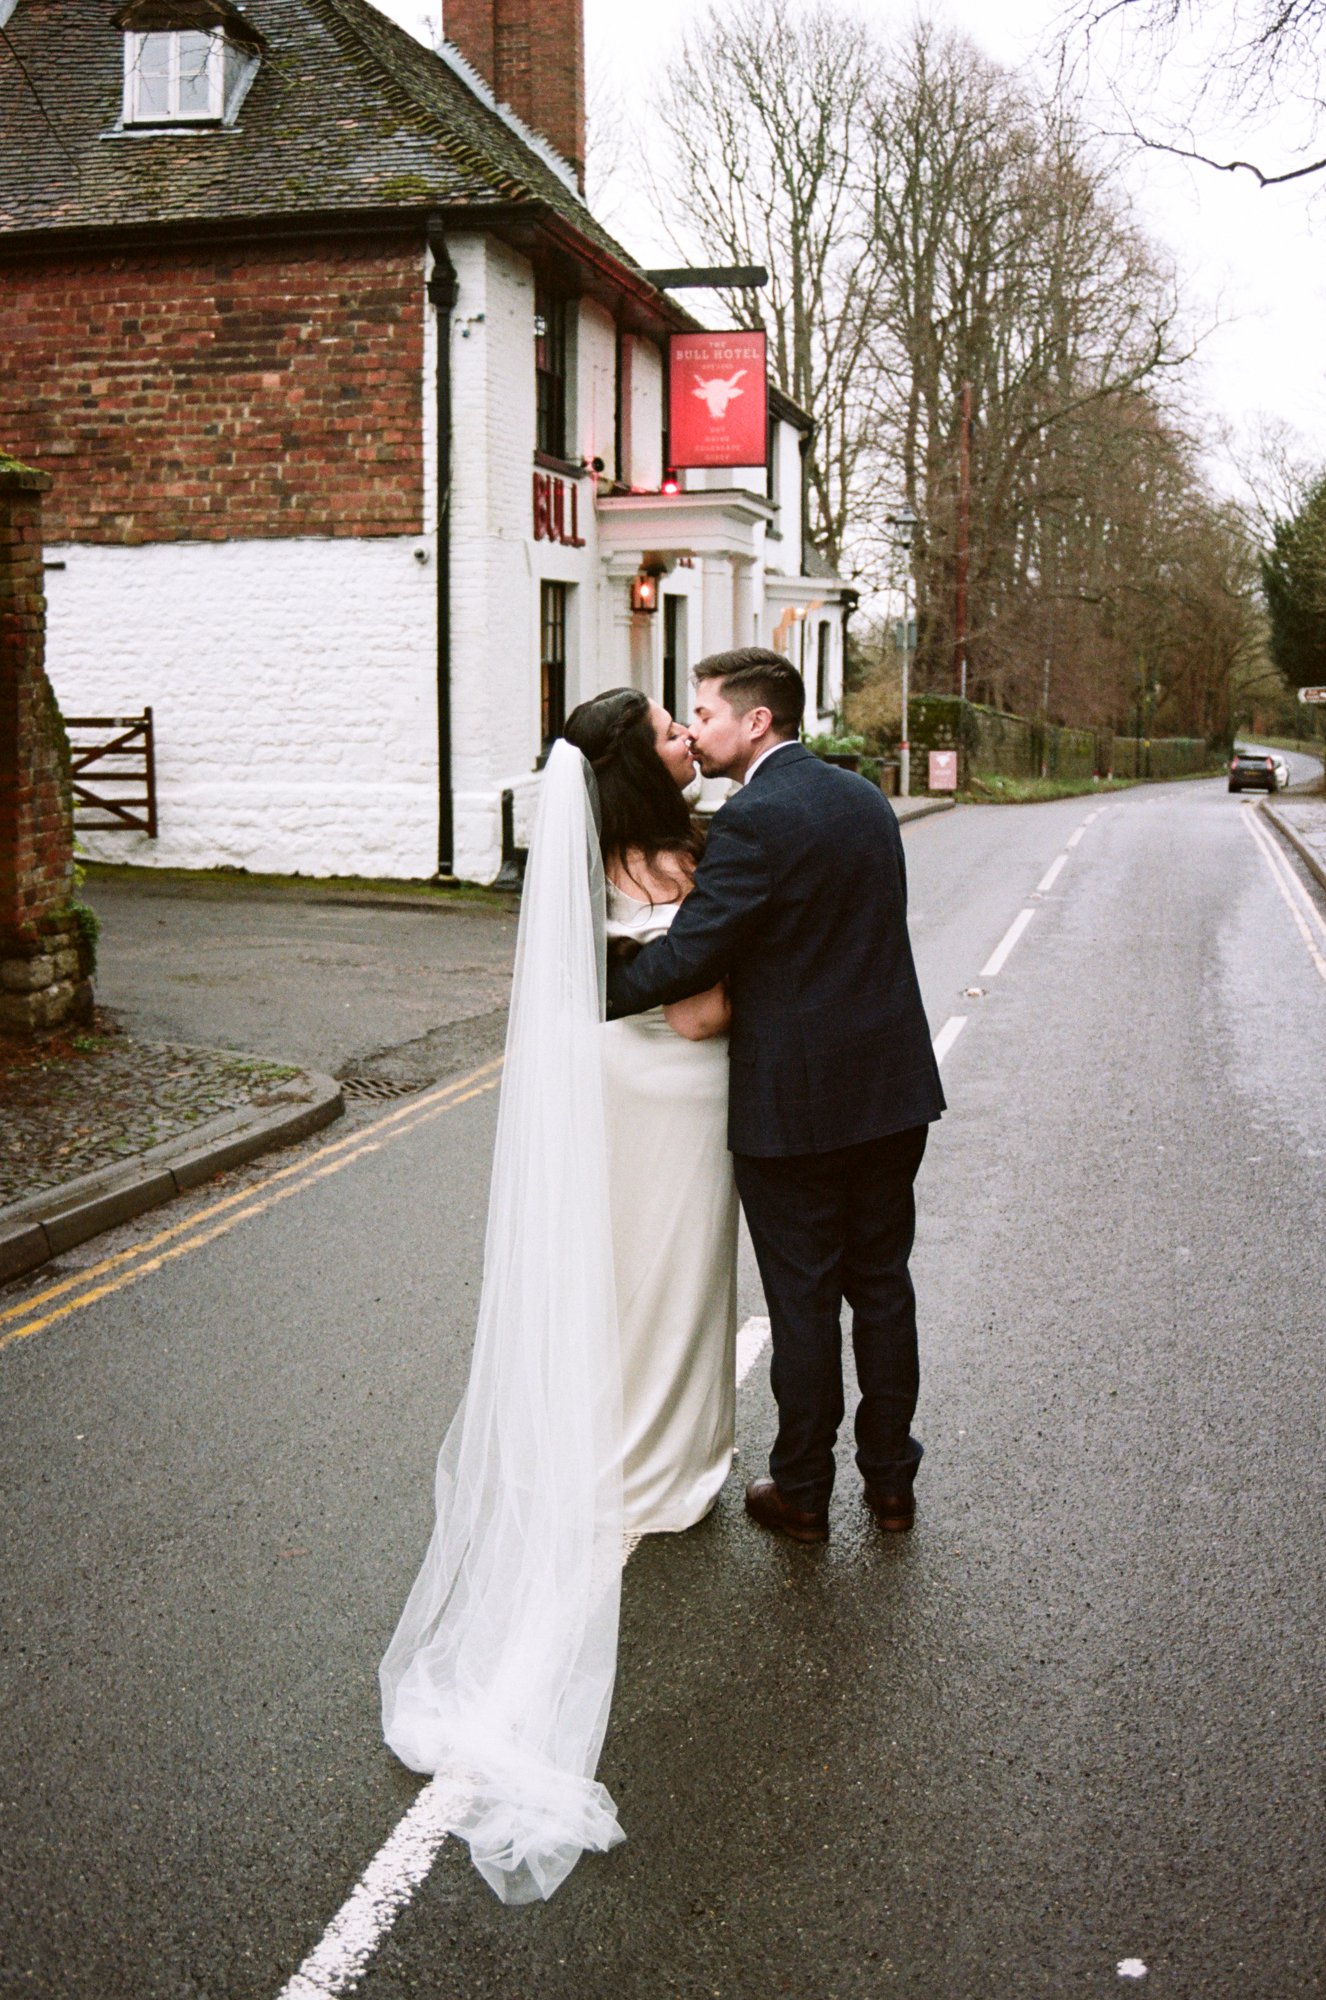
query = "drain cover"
x=377 y=1087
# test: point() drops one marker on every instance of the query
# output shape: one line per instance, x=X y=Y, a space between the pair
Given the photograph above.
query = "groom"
x=800 y=903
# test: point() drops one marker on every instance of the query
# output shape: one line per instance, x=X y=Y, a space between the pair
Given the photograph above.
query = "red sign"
x=717 y=399
x=943 y=771
x=557 y=511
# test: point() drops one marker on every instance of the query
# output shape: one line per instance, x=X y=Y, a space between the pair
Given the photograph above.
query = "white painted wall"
x=594 y=411
x=294 y=682
x=496 y=564
x=293 y=689
x=642 y=412
x=786 y=555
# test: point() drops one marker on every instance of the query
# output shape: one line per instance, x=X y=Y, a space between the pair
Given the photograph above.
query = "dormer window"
x=190 y=63
x=173 y=76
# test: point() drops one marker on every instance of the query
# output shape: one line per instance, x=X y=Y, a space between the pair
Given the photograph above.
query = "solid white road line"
x=999 y=958
x=340 y=1958
x=948 y=1034
x=1296 y=898
x=1051 y=876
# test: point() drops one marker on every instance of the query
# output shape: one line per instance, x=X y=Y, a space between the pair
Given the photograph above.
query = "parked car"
x=1252 y=767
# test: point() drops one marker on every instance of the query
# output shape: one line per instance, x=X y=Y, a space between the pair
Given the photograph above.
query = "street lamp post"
x=906 y=524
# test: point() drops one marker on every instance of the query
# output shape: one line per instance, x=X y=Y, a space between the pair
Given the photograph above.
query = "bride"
x=601 y=1388
x=671 y=1187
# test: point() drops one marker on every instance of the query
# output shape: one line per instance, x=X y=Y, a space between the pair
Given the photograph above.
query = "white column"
x=743 y=601
x=717 y=608
x=642 y=650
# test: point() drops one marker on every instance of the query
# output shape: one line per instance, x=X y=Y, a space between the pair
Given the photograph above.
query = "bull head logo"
x=717 y=391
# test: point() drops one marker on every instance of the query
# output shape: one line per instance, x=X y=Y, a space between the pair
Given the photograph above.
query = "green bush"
x=845 y=745
x=88 y=925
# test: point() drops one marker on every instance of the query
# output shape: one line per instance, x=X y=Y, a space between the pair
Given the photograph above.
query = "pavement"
x=402 y=986
x=1303 y=824
x=234 y=1018
x=1072 y=1722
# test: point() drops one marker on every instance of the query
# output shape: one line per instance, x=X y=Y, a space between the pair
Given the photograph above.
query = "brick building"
x=355 y=421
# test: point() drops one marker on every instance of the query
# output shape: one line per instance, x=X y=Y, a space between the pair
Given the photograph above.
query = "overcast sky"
x=1255 y=256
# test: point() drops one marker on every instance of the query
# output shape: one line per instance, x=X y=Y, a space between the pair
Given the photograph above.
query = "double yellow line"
x=126 y=1267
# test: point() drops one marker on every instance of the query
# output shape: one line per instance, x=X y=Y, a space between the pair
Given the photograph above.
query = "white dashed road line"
x=751 y=1341
x=1051 y=876
x=948 y=1034
x=341 y=1957
x=999 y=957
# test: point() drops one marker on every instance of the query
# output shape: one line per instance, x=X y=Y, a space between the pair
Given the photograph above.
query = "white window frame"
x=216 y=80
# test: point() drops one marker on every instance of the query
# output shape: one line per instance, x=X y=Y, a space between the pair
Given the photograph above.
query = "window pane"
x=552 y=663
x=550 y=373
x=195 y=75
x=151 y=98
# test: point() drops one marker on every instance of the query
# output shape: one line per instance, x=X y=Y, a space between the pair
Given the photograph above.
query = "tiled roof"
x=347 y=112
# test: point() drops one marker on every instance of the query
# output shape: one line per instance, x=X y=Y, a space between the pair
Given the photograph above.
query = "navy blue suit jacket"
x=800 y=902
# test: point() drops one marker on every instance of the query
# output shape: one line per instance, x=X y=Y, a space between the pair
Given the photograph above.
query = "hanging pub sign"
x=718 y=399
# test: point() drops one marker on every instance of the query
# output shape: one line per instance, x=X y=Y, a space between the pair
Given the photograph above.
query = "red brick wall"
x=36 y=823
x=221 y=394
x=532 y=53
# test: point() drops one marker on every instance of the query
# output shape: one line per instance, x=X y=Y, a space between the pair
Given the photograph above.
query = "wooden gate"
x=114 y=773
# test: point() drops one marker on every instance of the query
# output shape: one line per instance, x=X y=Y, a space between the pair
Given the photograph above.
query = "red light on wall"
x=644 y=591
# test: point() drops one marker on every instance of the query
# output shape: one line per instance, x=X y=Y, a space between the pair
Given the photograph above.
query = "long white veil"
x=501 y=1669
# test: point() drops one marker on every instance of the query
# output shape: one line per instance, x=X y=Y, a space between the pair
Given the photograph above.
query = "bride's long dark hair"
x=640 y=808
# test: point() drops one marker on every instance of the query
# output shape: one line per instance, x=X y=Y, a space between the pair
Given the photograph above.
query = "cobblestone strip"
x=85 y=1102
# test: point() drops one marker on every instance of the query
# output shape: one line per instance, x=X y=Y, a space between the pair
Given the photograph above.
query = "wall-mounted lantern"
x=644 y=590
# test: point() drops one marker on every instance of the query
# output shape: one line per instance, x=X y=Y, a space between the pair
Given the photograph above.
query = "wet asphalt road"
x=1077 y=1717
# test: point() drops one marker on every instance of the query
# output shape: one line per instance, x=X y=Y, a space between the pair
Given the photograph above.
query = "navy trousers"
x=828 y=1227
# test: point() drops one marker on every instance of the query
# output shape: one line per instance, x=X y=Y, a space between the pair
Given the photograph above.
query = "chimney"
x=532 y=54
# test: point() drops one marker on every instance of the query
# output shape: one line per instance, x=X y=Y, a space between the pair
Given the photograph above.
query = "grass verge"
x=989 y=788
x=222 y=883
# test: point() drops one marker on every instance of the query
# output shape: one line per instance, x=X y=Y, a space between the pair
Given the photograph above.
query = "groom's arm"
x=731 y=888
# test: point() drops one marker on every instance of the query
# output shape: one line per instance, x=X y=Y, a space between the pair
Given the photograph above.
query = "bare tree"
x=768 y=107
x=1265 y=54
x=931 y=222
x=1007 y=263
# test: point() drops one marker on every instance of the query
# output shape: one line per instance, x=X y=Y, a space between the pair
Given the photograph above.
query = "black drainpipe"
x=443 y=290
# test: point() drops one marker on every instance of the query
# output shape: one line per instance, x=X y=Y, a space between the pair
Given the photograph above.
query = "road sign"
x=1312 y=694
x=943 y=771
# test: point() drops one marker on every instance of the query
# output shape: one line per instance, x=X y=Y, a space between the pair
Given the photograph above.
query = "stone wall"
x=1162 y=756
x=1013 y=746
x=210 y=394
x=42 y=970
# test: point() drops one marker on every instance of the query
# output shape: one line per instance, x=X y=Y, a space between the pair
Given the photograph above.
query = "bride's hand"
x=702 y=1016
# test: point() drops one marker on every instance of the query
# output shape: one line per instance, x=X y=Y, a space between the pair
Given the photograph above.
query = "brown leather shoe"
x=766 y=1505
x=894 y=1512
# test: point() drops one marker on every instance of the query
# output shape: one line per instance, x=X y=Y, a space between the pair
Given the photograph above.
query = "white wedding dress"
x=611 y=1179
x=674 y=1243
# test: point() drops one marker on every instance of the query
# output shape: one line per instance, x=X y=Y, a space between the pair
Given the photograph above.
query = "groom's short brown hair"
x=755 y=677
